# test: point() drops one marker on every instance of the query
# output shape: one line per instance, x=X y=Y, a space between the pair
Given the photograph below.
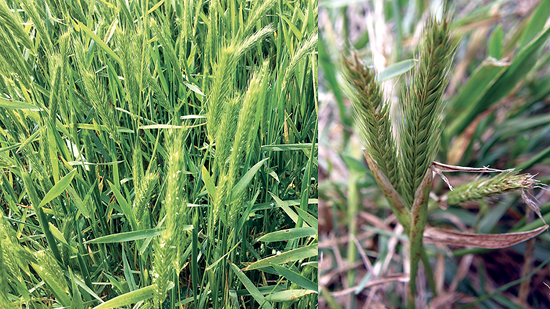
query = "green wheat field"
x=158 y=154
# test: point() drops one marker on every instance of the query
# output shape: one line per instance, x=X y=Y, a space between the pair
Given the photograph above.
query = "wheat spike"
x=173 y=240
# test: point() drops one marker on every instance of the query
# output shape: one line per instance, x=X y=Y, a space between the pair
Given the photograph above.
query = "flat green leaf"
x=130 y=236
x=160 y=126
x=295 y=277
x=193 y=117
x=210 y=187
x=6 y=103
x=268 y=289
x=288 y=295
x=538 y=20
x=307 y=217
x=128 y=271
x=289 y=234
x=239 y=188
x=285 y=207
x=470 y=94
x=285 y=147
x=78 y=202
x=58 y=188
x=10 y=147
x=396 y=70
x=495 y=43
x=80 y=163
x=126 y=208
x=250 y=287
x=76 y=299
x=29 y=140
x=294 y=29
x=156 y=6
x=83 y=285
x=129 y=298
x=99 y=42
x=263 y=206
x=515 y=73
x=285 y=257
x=57 y=234
x=87 y=126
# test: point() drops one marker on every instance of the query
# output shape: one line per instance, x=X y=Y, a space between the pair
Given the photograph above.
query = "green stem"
x=419 y=216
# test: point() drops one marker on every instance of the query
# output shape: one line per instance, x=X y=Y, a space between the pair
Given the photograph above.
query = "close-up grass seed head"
x=158 y=154
x=417 y=100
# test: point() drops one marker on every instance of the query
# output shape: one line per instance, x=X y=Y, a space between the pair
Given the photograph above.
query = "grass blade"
x=128 y=298
x=58 y=188
x=285 y=257
x=250 y=287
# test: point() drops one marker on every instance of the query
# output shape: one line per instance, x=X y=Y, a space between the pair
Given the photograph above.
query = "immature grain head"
x=490 y=187
x=423 y=105
x=371 y=116
x=174 y=239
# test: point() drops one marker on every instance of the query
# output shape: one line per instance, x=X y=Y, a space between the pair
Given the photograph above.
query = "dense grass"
x=152 y=151
x=495 y=113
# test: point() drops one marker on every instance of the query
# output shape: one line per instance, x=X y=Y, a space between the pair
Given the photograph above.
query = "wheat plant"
x=158 y=154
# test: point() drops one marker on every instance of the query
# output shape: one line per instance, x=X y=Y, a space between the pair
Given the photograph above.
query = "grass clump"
x=153 y=153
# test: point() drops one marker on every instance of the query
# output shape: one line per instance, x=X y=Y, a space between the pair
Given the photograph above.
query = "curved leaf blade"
x=285 y=257
x=396 y=70
x=239 y=188
x=58 y=188
x=288 y=295
x=129 y=298
x=289 y=234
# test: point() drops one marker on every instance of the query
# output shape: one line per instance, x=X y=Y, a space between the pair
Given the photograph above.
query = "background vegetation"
x=496 y=114
x=158 y=154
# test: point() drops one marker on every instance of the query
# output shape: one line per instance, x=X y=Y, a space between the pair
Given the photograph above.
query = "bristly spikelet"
x=144 y=190
x=96 y=91
x=422 y=107
x=247 y=117
x=31 y=9
x=137 y=164
x=187 y=19
x=226 y=134
x=211 y=41
x=302 y=51
x=247 y=123
x=488 y=187
x=173 y=240
x=222 y=84
x=372 y=116
x=15 y=67
x=223 y=78
x=259 y=10
x=48 y=269
x=15 y=24
x=131 y=57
